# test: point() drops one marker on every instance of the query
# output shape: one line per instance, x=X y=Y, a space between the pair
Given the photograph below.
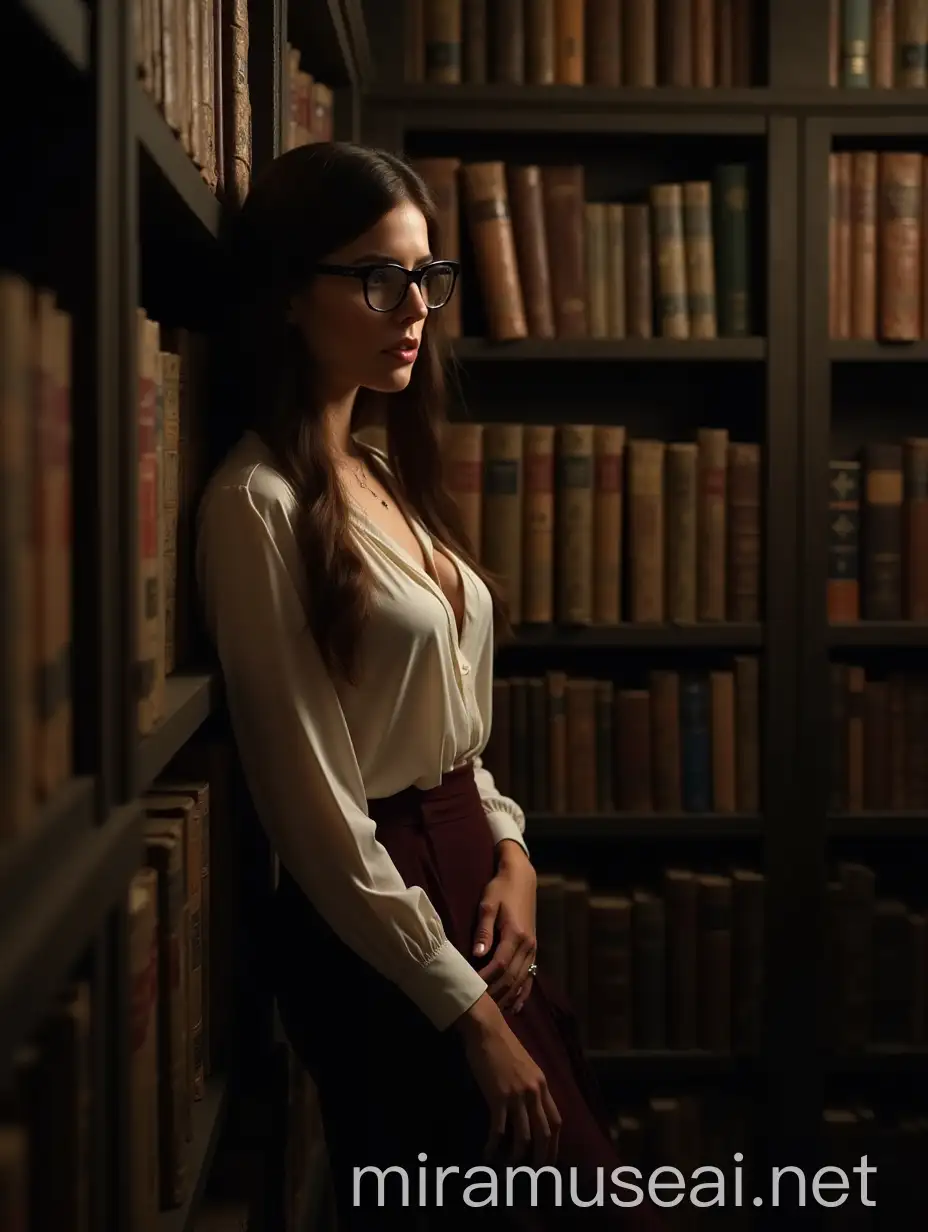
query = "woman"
x=355 y=631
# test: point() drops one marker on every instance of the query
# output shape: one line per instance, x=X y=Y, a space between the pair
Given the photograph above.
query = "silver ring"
x=533 y=968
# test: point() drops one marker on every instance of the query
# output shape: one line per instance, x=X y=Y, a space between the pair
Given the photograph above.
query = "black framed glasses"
x=386 y=285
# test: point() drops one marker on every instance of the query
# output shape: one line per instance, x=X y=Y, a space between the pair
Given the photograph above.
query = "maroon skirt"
x=395 y=1092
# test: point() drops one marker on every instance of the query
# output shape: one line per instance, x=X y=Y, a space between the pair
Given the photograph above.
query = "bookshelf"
x=112 y=213
x=801 y=378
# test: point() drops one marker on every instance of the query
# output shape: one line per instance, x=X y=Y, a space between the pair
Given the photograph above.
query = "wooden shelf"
x=867 y=634
x=657 y=350
x=659 y=1065
x=885 y=824
x=190 y=700
x=67 y=24
x=173 y=168
x=886 y=1059
x=858 y=352
x=606 y=826
x=90 y=876
x=208 y=1120
x=638 y=637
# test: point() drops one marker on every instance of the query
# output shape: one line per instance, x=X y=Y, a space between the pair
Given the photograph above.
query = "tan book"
x=682 y=531
x=639 y=280
x=17 y=561
x=531 y=240
x=575 y=524
x=564 y=197
x=615 y=269
x=700 y=259
x=646 y=530
x=442 y=34
x=863 y=209
x=143 y=1063
x=462 y=461
x=538 y=524
x=670 y=261
x=608 y=528
x=501 y=552
x=711 y=553
x=540 y=62
x=924 y=238
x=704 y=43
x=597 y=269
x=569 y=42
x=900 y=240
x=169 y=31
x=723 y=741
x=441 y=176
x=490 y=226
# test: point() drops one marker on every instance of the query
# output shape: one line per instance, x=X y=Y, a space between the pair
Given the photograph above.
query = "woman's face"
x=351 y=344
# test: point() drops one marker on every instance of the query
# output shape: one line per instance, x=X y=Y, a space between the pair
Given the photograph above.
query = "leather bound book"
x=924 y=238
x=895 y=710
x=724 y=741
x=682 y=531
x=675 y=26
x=882 y=525
x=569 y=42
x=503 y=487
x=670 y=261
x=597 y=269
x=838 y=752
x=732 y=238
x=640 y=31
x=915 y=459
x=633 y=750
x=563 y=190
x=715 y=952
x=442 y=178
x=863 y=244
x=577 y=924
x=608 y=501
x=855 y=44
x=526 y=202
x=649 y=971
x=537 y=798
x=615 y=269
x=462 y=463
x=883 y=44
x=725 y=44
x=539 y=527
x=747 y=729
x=664 y=687
x=646 y=530
x=700 y=259
x=639 y=274
x=854 y=762
x=490 y=227
x=557 y=740
x=743 y=42
x=507 y=42
x=899 y=261
x=704 y=43
x=574 y=471
x=604 y=42
x=842 y=284
x=876 y=745
x=414 y=41
x=540 y=66
x=580 y=704
x=442 y=25
x=912 y=44
x=680 y=892
x=916 y=740
x=474 y=42
x=711 y=593
x=745 y=534
x=611 y=993
x=552 y=926
x=605 y=745
x=237 y=101
x=843 y=584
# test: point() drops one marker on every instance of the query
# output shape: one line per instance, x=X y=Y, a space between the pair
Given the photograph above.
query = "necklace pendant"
x=385 y=505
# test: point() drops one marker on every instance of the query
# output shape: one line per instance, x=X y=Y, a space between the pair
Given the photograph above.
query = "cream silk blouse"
x=314 y=752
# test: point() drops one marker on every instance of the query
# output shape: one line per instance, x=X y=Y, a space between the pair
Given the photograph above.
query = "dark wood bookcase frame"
x=134 y=199
x=797 y=114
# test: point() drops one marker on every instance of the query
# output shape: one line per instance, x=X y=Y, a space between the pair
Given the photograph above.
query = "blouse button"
x=465 y=666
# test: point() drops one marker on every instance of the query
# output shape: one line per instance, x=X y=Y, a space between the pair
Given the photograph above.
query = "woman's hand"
x=508 y=907
x=521 y=1106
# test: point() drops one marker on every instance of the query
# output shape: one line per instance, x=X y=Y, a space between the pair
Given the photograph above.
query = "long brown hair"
x=308 y=203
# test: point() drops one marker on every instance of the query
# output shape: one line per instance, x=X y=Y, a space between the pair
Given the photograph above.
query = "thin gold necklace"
x=359 y=475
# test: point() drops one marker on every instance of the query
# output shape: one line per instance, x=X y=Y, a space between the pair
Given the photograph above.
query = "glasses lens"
x=437 y=284
x=386 y=287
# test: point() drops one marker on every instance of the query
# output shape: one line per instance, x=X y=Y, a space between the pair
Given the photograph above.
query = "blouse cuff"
x=445 y=986
x=503 y=825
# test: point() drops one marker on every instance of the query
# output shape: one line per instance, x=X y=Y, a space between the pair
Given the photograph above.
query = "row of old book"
x=35 y=550
x=874 y=963
x=551 y=264
x=588 y=527
x=878 y=44
x=879 y=734
x=878 y=533
x=878 y=245
x=309 y=105
x=687 y=742
x=678 y=966
x=579 y=42
x=171 y=367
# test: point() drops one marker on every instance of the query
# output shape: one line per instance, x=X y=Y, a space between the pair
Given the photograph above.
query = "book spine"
x=863 y=244
x=670 y=260
x=747 y=729
x=507 y=44
x=539 y=42
x=442 y=41
x=641 y=42
x=900 y=189
x=531 y=239
x=474 y=42
x=615 y=263
x=915 y=458
x=744 y=548
x=539 y=526
x=646 y=530
x=883 y=44
x=675 y=27
x=569 y=42
x=704 y=43
x=855 y=44
x=575 y=523
x=711 y=591
x=664 y=687
x=882 y=523
x=604 y=42
x=638 y=271
x=564 y=195
x=557 y=741
x=682 y=531
x=700 y=259
x=503 y=486
x=608 y=499
x=695 y=739
x=494 y=246
x=731 y=207
x=724 y=741
x=597 y=270
x=843 y=581
x=912 y=42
